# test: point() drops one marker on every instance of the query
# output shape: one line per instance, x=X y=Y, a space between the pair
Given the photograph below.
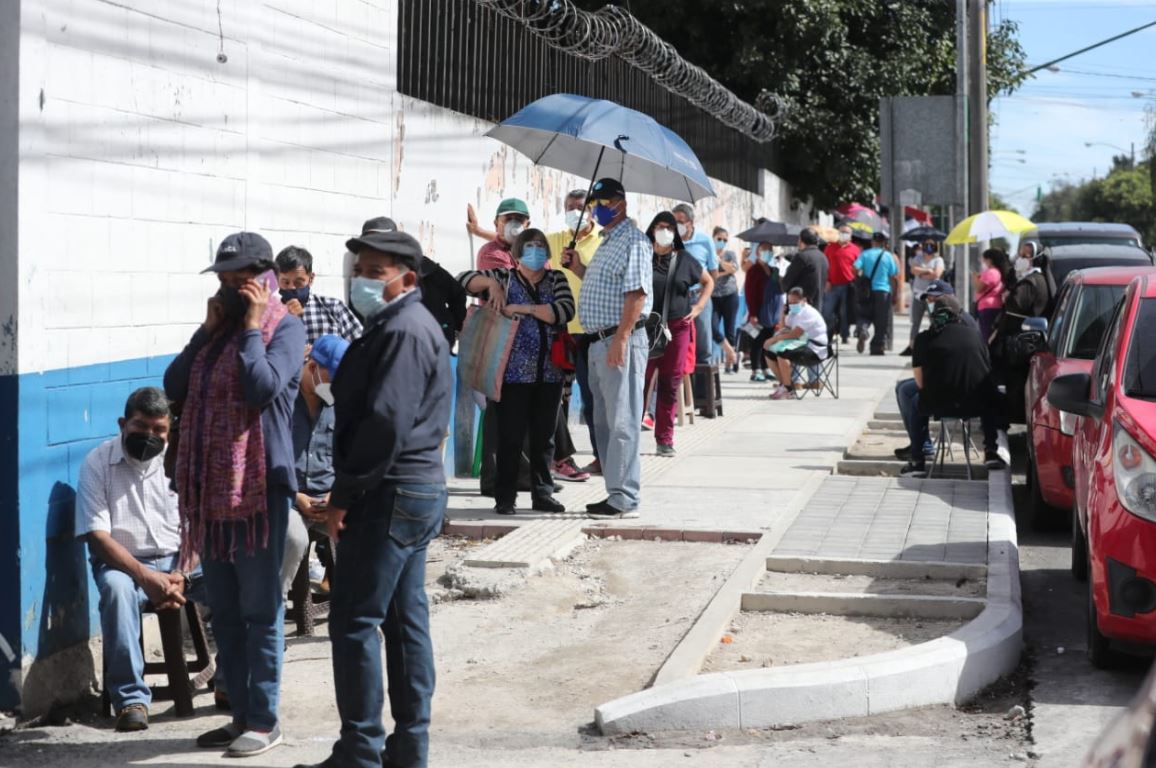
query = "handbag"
x=564 y=352
x=484 y=350
x=657 y=329
x=864 y=285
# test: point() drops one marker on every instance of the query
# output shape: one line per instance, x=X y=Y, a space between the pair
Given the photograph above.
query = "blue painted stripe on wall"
x=48 y=602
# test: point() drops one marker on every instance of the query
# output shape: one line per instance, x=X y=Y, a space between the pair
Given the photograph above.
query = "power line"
x=1093 y=46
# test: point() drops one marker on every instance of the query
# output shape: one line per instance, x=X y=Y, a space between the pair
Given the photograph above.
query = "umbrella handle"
x=589 y=189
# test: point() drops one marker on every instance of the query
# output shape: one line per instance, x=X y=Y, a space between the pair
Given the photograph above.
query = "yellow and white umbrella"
x=988 y=226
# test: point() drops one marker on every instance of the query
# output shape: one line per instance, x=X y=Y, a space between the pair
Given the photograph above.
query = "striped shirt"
x=323 y=316
x=621 y=264
x=135 y=506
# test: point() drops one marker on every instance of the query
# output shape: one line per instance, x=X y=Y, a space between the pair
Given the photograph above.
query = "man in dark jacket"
x=808 y=269
x=392 y=397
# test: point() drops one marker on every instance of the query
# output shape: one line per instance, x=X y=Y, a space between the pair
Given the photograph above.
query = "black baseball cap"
x=379 y=224
x=242 y=250
x=939 y=288
x=397 y=244
x=879 y=237
x=607 y=189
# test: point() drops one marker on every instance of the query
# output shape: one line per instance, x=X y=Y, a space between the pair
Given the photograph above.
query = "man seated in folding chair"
x=128 y=515
x=952 y=370
x=802 y=341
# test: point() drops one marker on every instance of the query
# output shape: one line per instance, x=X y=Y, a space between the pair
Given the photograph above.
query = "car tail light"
x=1135 y=472
x=1068 y=423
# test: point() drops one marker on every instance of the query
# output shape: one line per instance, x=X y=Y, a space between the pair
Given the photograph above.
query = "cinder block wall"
x=127 y=151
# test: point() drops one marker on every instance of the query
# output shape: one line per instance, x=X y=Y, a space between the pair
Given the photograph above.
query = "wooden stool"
x=185 y=678
x=303 y=607
x=686 y=400
x=708 y=390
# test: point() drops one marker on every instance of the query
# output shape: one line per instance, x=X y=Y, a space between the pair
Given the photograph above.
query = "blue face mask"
x=794 y=309
x=603 y=214
x=366 y=296
x=301 y=294
x=534 y=257
x=766 y=256
x=720 y=244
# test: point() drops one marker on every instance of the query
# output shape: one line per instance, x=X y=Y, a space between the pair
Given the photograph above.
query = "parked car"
x=1068 y=258
x=1052 y=233
x=1114 y=515
x=1128 y=741
x=1083 y=308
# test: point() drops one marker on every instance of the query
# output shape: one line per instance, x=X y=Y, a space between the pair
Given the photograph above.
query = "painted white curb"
x=948 y=670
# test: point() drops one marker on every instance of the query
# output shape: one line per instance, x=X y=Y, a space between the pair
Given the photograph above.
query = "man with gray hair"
x=127 y=514
x=700 y=246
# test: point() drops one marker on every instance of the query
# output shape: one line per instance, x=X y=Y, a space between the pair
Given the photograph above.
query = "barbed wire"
x=613 y=31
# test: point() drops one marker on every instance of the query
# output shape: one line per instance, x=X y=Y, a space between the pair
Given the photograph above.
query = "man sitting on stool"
x=953 y=373
x=801 y=341
x=127 y=513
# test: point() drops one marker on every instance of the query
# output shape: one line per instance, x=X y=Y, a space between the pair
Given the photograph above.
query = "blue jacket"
x=392 y=396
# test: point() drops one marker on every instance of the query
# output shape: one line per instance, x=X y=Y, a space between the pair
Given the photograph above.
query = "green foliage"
x=997 y=203
x=1124 y=195
x=830 y=61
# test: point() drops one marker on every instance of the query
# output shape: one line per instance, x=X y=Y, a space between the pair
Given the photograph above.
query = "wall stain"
x=398 y=151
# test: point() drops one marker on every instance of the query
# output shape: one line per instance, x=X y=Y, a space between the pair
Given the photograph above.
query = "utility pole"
x=977 y=119
x=962 y=279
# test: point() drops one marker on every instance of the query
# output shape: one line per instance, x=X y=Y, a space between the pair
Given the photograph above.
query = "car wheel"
x=1079 y=549
x=1100 y=651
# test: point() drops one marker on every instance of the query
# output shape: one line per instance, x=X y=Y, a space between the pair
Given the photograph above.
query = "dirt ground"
x=775 y=639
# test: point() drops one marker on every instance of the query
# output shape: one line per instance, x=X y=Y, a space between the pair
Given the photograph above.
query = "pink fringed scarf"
x=221 y=463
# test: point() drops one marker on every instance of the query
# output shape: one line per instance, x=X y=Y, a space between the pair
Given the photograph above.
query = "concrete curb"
x=948 y=670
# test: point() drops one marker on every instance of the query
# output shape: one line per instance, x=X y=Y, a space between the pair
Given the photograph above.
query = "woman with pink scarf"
x=237 y=380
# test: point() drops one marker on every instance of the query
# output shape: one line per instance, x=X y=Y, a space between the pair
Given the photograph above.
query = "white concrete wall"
x=139 y=151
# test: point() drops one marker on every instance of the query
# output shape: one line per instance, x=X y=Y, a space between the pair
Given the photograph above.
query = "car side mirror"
x=1038 y=324
x=1071 y=393
x=1031 y=343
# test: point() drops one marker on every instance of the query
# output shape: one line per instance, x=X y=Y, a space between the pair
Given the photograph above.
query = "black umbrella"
x=919 y=234
x=773 y=232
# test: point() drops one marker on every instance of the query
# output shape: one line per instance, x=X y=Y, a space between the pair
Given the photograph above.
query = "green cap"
x=513 y=205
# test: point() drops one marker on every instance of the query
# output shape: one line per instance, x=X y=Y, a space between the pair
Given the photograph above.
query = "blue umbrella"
x=579 y=135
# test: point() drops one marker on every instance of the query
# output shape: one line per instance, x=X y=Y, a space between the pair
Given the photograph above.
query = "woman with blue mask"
x=725 y=301
x=543 y=303
x=767 y=269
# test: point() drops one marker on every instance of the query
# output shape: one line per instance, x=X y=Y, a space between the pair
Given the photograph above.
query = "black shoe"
x=992 y=460
x=876 y=353
x=911 y=469
x=904 y=453
x=604 y=510
x=219 y=738
x=906 y=352
x=861 y=344
x=505 y=508
x=134 y=717
x=548 y=504
x=557 y=487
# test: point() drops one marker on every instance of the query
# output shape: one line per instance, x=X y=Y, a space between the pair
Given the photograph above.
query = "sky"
x=1047 y=122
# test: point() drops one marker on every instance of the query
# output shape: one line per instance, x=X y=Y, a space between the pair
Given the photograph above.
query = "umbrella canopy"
x=855 y=212
x=988 y=226
x=594 y=137
x=919 y=234
x=773 y=232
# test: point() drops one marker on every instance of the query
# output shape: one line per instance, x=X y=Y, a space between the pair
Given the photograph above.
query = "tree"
x=1124 y=195
x=829 y=62
x=997 y=203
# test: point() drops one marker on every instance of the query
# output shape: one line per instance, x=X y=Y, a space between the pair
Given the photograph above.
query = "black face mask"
x=301 y=294
x=235 y=304
x=143 y=446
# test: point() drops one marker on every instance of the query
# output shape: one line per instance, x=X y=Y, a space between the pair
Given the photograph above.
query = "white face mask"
x=844 y=237
x=572 y=219
x=683 y=230
x=323 y=389
x=663 y=237
x=512 y=230
x=1023 y=266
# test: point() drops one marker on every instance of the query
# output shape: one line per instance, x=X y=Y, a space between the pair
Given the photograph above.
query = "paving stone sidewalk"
x=892 y=519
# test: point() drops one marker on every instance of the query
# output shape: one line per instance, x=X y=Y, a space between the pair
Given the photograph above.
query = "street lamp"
x=1131 y=152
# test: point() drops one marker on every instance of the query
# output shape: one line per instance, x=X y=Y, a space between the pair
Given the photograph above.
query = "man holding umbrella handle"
x=612 y=307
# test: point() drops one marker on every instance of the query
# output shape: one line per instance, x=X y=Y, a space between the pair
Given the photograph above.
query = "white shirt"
x=135 y=506
x=812 y=323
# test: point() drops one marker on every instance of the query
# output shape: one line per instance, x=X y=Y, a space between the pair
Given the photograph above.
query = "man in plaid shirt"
x=322 y=315
x=614 y=301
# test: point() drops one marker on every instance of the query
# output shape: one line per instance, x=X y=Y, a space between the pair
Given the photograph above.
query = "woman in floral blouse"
x=532 y=388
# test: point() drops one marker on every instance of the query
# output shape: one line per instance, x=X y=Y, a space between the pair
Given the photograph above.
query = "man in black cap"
x=441 y=294
x=392 y=397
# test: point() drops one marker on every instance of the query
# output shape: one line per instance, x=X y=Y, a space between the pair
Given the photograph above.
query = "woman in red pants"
x=680 y=279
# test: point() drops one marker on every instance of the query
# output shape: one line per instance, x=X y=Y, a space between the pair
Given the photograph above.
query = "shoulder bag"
x=657 y=330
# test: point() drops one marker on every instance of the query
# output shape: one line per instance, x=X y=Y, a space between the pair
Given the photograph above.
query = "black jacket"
x=392 y=397
x=444 y=297
x=808 y=270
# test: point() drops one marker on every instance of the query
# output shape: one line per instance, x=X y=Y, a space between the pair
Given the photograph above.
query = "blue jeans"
x=838 y=306
x=582 y=376
x=248 y=609
x=617 y=416
x=703 y=341
x=379 y=583
x=918 y=431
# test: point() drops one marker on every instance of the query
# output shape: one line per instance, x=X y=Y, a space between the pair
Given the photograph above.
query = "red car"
x=1114 y=521
x=1083 y=307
